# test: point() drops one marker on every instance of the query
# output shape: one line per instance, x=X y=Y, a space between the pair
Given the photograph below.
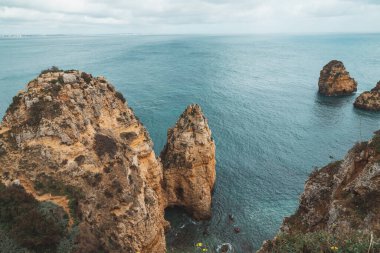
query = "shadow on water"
x=330 y=111
x=184 y=232
x=333 y=101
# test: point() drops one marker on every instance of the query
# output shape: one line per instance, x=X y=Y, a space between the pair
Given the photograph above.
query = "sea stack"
x=71 y=140
x=369 y=100
x=335 y=80
x=188 y=159
x=340 y=201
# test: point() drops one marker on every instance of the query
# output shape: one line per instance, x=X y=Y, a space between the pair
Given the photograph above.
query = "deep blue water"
x=259 y=94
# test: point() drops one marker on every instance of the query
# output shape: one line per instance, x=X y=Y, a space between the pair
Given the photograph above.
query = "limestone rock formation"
x=189 y=164
x=334 y=80
x=70 y=139
x=341 y=199
x=369 y=100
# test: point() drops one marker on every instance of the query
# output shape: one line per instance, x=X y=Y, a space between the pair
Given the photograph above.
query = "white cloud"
x=164 y=16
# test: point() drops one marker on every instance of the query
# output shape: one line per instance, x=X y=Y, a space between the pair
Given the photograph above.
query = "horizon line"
x=185 y=34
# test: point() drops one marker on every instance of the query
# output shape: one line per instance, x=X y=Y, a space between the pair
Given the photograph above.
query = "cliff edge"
x=339 y=208
x=71 y=140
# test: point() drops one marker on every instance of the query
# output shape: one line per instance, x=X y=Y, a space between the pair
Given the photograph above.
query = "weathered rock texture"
x=341 y=198
x=369 y=100
x=189 y=164
x=334 y=80
x=71 y=139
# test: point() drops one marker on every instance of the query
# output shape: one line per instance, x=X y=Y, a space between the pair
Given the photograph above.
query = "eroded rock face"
x=369 y=100
x=340 y=198
x=71 y=139
x=334 y=80
x=189 y=164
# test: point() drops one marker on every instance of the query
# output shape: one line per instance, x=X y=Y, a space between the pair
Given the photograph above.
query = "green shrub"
x=7 y=244
x=322 y=241
x=120 y=96
x=51 y=69
x=86 y=77
x=15 y=104
x=105 y=145
x=46 y=184
x=43 y=109
x=38 y=226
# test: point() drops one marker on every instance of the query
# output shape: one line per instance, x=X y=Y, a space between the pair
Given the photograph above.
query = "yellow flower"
x=334 y=248
x=204 y=250
x=199 y=244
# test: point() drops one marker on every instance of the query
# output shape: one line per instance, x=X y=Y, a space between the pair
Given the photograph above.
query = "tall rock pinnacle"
x=189 y=164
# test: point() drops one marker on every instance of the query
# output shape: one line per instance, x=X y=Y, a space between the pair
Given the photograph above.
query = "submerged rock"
x=334 y=80
x=189 y=164
x=225 y=248
x=369 y=100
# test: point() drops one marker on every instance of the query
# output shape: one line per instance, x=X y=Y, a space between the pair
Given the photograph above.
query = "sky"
x=188 y=16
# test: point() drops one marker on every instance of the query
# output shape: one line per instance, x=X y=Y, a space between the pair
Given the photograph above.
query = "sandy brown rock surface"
x=72 y=140
x=70 y=137
x=342 y=198
x=189 y=164
x=369 y=100
x=335 y=80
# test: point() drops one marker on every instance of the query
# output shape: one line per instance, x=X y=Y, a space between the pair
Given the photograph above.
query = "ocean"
x=259 y=93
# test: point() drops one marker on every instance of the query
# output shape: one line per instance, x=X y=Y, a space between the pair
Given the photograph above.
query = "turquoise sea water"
x=259 y=94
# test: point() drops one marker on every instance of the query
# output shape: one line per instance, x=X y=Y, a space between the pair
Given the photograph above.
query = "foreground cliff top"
x=339 y=208
x=70 y=140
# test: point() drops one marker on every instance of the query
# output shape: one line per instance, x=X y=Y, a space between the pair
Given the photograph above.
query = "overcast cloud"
x=188 y=16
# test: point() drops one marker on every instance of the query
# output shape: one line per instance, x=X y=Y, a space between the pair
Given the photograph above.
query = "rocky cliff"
x=334 y=80
x=189 y=164
x=70 y=139
x=339 y=208
x=369 y=100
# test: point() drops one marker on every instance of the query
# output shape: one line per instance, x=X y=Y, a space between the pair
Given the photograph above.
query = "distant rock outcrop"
x=369 y=100
x=189 y=164
x=71 y=139
x=334 y=80
x=341 y=200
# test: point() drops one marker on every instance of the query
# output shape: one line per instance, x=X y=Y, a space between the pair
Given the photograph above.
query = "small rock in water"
x=224 y=248
x=237 y=230
x=206 y=231
x=231 y=217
